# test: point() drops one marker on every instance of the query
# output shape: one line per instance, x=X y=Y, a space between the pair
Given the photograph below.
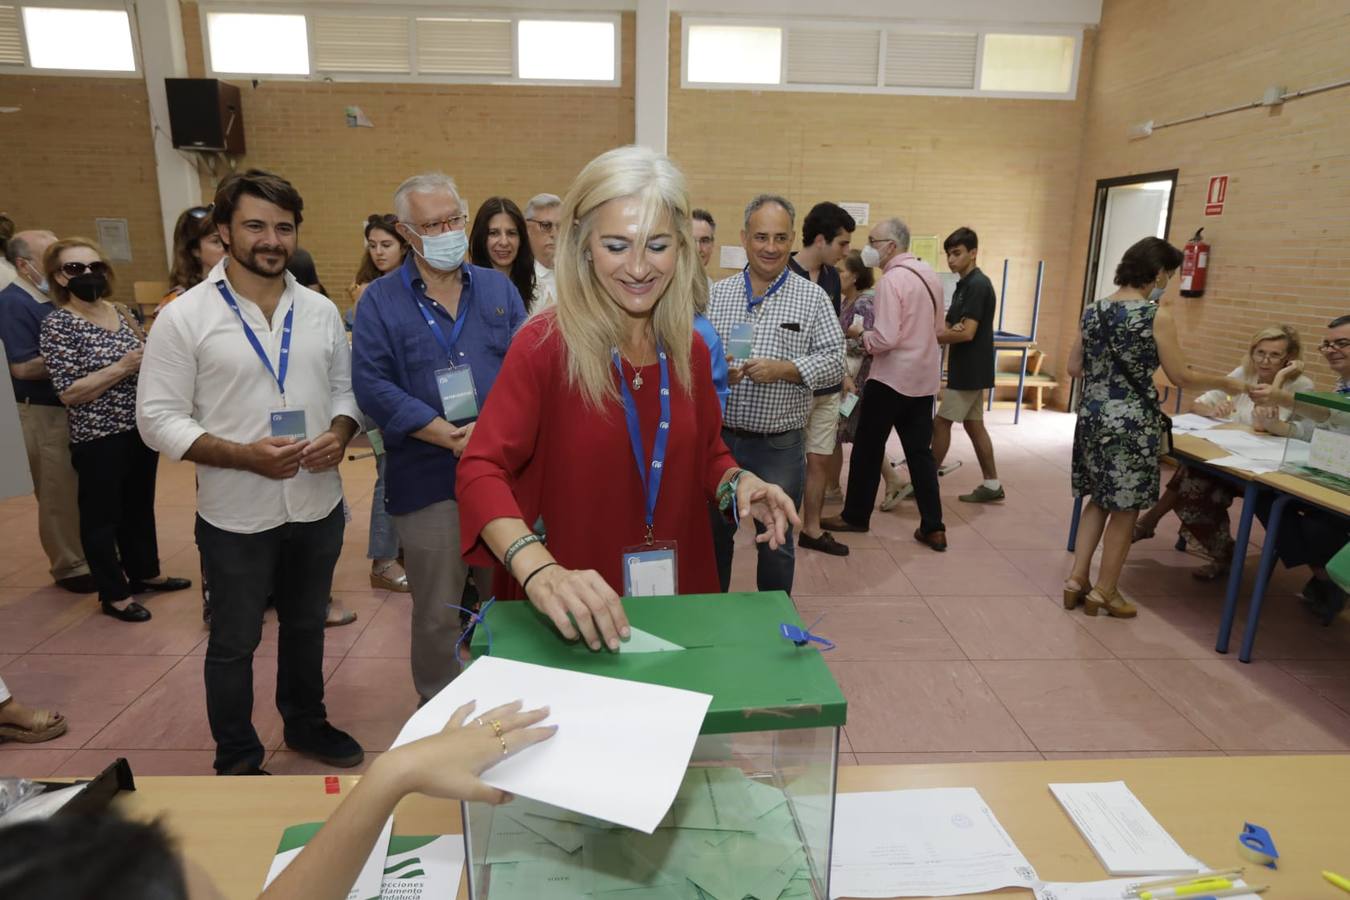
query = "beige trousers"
x=46 y=435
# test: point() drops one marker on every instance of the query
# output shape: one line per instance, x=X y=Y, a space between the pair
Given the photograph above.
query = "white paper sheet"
x=1256 y=466
x=368 y=881
x=1252 y=446
x=936 y=842
x=645 y=642
x=43 y=805
x=1121 y=831
x=621 y=749
x=1111 y=889
x=1193 y=422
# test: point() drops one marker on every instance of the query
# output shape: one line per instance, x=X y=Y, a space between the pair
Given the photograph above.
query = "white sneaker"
x=949 y=467
x=894 y=497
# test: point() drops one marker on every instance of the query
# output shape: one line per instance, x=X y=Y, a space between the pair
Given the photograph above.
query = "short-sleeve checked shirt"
x=797 y=324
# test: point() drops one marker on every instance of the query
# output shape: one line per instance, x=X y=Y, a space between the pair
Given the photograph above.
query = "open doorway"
x=1125 y=210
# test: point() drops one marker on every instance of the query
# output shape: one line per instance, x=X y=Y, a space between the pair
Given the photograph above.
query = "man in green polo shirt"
x=970 y=363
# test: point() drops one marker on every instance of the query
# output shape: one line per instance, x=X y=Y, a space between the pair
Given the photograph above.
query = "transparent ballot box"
x=754 y=815
x=1322 y=455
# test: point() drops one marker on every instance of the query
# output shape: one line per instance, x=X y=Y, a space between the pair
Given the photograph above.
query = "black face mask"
x=88 y=287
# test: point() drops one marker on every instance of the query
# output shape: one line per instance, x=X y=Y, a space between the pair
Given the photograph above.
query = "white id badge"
x=742 y=340
x=650 y=570
x=846 y=405
x=459 y=397
x=287 y=423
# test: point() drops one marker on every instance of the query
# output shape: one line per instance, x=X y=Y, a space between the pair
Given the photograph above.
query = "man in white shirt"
x=542 y=215
x=248 y=375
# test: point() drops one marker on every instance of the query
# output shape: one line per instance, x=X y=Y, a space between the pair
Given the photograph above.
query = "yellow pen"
x=1339 y=880
x=1196 y=888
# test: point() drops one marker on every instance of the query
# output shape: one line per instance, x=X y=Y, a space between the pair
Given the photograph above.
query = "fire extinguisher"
x=1194 y=266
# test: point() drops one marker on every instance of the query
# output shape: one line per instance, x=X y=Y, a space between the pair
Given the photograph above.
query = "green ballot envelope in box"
x=754 y=816
x=1322 y=454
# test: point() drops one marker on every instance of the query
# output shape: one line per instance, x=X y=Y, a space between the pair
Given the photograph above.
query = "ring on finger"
x=479 y=722
x=502 y=738
x=497 y=728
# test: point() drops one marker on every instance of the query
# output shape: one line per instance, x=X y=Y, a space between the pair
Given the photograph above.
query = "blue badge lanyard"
x=447 y=347
x=751 y=301
x=650 y=475
x=278 y=375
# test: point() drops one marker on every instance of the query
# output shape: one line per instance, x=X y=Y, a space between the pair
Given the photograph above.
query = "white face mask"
x=871 y=257
x=41 y=282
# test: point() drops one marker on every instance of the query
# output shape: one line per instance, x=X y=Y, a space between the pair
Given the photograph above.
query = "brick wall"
x=1281 y=249
x=80 y=149
x=515 y=141
x=1002 y=167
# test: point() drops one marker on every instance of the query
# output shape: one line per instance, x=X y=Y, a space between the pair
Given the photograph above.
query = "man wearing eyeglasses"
x=46 y=431
x=1308 y=536
x=427 y=344
x=542 y=216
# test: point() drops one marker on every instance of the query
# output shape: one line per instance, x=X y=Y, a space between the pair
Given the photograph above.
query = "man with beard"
x=248 y=375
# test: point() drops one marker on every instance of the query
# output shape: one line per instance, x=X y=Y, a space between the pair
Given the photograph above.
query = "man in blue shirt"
x=46 y=432
x=428 y=342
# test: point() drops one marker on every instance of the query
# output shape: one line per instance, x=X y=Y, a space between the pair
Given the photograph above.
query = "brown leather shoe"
x=936 y=540
x=842 y=525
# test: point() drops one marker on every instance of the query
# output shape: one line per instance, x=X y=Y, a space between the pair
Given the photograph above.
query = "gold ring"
x=479 y=722
x=505 y=752
x=496 y=728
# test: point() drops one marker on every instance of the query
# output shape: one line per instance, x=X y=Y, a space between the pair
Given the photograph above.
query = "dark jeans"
x=778 y=459
x=117 y=511
x=1308 y=536
x=912 y=418
x=294 y=564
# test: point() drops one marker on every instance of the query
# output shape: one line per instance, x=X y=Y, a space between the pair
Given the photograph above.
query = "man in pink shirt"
x=900 y=390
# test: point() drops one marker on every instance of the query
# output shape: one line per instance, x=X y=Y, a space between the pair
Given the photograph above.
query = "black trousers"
x=293 y=563
x=912 y=418
x=116 y=497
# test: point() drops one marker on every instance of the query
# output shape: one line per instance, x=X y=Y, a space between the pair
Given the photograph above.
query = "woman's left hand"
x=769 y=505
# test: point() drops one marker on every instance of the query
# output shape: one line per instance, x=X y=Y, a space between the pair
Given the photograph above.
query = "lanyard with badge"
x=459 y=396
x=741 y=342
x=283 y=421
x=649 y=569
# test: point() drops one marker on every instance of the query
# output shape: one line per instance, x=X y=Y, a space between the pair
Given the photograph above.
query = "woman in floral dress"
x=1121 y=427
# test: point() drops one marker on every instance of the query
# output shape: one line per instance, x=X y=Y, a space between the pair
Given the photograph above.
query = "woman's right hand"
x=591 y=602
x=131 y=363
x=448 y=764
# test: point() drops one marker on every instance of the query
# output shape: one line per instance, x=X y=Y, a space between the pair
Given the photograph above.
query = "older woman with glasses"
x=93 y=351
x=1201 y=501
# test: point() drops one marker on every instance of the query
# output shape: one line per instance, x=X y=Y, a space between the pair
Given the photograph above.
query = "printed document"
x=1121 y=831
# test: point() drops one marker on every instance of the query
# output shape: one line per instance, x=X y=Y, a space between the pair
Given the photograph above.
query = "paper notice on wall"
x=732 y=256
x=925 y=247
x=861 y=212
x=114 y=236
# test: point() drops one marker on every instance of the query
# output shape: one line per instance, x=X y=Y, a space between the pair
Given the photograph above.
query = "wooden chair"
x=1036 y=383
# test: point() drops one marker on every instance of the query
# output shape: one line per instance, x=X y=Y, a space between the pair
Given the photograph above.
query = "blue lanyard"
x=278 y=377
x=751 y=301
x=446 y=346
x=650 y=475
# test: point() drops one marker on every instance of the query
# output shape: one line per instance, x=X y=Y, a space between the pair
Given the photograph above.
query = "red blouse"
x=540 y=450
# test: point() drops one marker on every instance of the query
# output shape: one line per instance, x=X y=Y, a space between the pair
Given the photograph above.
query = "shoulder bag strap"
x=937 y=307
x=1121 y=368
x=127 y=317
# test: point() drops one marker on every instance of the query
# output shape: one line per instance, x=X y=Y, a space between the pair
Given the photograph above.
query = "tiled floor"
x=962 y=656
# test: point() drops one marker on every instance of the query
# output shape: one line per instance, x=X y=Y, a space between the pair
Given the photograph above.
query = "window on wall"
x=909 y=59
x=375 y=43
x=66 y=39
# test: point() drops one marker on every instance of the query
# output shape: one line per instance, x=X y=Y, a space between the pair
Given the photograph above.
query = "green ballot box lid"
x=1329 y=399
x=733 y=649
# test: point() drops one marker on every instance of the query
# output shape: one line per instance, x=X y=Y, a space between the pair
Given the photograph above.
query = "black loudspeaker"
x=205 y=114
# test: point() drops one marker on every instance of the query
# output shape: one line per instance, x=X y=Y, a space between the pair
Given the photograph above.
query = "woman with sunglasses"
x=384 y=253
x=196 y=250
x=498 y=240
x=93 y=351
x=1201 y=501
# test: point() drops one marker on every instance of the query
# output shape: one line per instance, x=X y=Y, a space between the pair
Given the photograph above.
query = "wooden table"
x=231 y=826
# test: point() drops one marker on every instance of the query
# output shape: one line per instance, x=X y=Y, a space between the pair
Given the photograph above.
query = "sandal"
x=1113 y=604
x=378 y=579
x=1074 y=597
x=334 y=619
x=46 y=726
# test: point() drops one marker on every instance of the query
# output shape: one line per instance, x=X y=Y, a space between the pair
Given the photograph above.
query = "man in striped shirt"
x=783 y=343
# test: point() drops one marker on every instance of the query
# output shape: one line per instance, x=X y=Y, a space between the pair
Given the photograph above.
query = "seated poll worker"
x=604 y=420
x=428 y=342
x=104 y=857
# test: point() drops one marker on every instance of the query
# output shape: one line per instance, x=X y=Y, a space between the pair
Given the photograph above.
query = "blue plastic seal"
x=1256 y=844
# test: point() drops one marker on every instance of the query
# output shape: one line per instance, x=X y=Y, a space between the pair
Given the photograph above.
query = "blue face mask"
x=445 y=252
x=1156 y=294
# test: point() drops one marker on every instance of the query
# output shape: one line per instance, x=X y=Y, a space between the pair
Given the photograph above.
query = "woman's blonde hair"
x=51 y=264
x=590 y=321
x=1287 y=333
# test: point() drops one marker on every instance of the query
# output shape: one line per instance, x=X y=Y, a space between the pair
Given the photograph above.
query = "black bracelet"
x=516 y=546
x=525 y=585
